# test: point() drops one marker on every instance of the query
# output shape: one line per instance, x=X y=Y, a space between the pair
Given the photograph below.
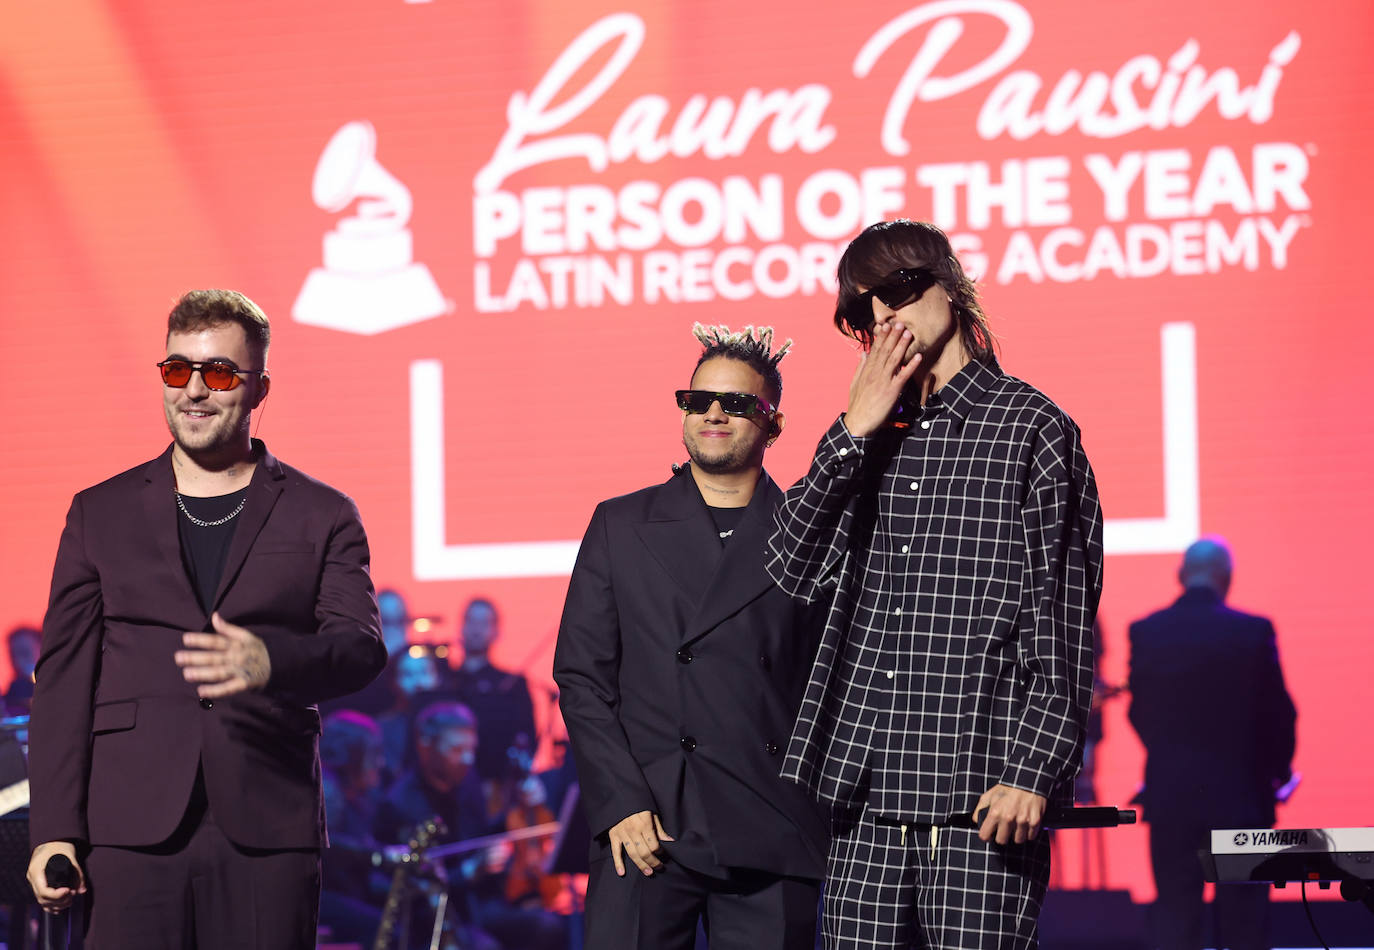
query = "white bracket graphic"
x=437 y=560
x=1180 y=525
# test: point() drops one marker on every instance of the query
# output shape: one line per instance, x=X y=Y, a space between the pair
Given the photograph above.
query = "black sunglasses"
x=732 y=404
x=896 y=291
x=219 y=375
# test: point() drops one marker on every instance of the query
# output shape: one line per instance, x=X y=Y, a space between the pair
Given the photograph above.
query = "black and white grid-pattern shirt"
x=964 y=558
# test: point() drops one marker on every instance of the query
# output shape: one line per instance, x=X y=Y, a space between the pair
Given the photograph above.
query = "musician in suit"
x=24 y=644
x=202 y=603
x=500 y=699
x=1209 y=703
x=351 y=886
x=680 y=666
x=444 y=783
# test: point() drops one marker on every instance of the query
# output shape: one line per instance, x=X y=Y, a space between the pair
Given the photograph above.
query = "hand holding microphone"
x=54 y=875
x=60 y=872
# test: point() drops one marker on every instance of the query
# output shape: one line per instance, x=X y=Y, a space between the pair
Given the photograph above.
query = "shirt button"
x=766 y=663
x=891 y=674
x=925 y=424
x=897 y=612
x=688 y=743
x=684 y=655
x=771 y=748
x=844 y=452
x=207 y=704
x=915 y=486
x=906 y=548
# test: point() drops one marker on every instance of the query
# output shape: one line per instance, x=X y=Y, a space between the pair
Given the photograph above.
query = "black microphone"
x=55 y=928
x=1096 y=816
x=60 y=872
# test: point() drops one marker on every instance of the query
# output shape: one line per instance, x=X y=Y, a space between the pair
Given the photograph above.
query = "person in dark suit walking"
x=202 y=603
x=1209 y=703
x=680 y=667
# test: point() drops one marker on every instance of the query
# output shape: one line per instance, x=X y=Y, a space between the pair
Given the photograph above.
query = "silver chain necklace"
x=210 y=524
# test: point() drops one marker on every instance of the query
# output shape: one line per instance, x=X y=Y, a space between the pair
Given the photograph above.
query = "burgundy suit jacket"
x=117 y=733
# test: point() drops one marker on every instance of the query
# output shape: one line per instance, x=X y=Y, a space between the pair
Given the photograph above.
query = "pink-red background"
x=151 y=147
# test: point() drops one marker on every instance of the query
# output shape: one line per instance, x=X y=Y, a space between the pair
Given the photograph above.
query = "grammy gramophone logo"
x=370 y=281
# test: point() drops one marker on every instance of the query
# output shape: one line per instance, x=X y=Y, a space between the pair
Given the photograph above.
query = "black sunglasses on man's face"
x=896 y=291
x=732 y=404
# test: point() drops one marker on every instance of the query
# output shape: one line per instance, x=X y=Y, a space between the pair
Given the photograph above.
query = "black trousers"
x=200 y=891
x=752 y=910
x=1241 y=911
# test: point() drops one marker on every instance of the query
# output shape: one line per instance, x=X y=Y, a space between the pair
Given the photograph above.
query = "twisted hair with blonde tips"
x=752 y=346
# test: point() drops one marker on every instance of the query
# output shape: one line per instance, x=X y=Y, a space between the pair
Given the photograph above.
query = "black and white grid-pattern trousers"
x=930 y=888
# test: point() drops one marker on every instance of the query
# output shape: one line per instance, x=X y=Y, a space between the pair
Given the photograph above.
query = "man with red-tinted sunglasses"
x=202 y=603
x=951 y=525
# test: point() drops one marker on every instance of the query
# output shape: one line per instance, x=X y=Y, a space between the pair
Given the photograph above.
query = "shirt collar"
x=965 y=388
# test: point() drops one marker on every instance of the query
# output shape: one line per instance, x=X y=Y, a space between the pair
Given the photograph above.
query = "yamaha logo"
x=1241 y=839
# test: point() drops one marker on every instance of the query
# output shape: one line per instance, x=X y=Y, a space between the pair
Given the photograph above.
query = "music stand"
x=570 y=855
x=574 y=841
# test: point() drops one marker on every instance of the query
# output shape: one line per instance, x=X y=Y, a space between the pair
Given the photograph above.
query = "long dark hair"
x=890 y=246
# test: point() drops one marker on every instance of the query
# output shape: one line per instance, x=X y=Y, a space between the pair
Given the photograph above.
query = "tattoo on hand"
x=255 y=671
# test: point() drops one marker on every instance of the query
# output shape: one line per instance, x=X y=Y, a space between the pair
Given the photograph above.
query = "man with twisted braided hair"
x=680 y=666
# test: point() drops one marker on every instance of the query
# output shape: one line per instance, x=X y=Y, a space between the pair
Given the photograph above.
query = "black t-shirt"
x=727 y=520
x=205 y=547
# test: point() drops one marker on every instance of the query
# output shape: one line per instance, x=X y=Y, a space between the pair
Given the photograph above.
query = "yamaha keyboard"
x=1274 y=855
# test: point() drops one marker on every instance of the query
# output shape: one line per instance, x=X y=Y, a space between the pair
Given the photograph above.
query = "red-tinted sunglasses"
x=219 y=375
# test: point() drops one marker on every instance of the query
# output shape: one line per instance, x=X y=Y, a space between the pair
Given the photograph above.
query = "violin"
x=526 y=807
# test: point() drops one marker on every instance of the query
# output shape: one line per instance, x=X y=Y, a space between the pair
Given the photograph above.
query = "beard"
x=213 y=436
x=734 y=458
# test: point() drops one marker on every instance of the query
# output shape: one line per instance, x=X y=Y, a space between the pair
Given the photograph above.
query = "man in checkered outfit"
x=950 y=517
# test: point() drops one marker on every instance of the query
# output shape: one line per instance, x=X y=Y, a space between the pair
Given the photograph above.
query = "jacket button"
x=766 y=663
x=688 y=743
x=684 y=655
x=771 y=748
x=207 y=704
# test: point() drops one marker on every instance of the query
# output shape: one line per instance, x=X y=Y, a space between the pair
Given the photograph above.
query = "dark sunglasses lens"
x=176 y=373
x=738 y=404
x=859 y=316
x=219 y=376
x=906 y=288
x=693 y=400
x=699 y=401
